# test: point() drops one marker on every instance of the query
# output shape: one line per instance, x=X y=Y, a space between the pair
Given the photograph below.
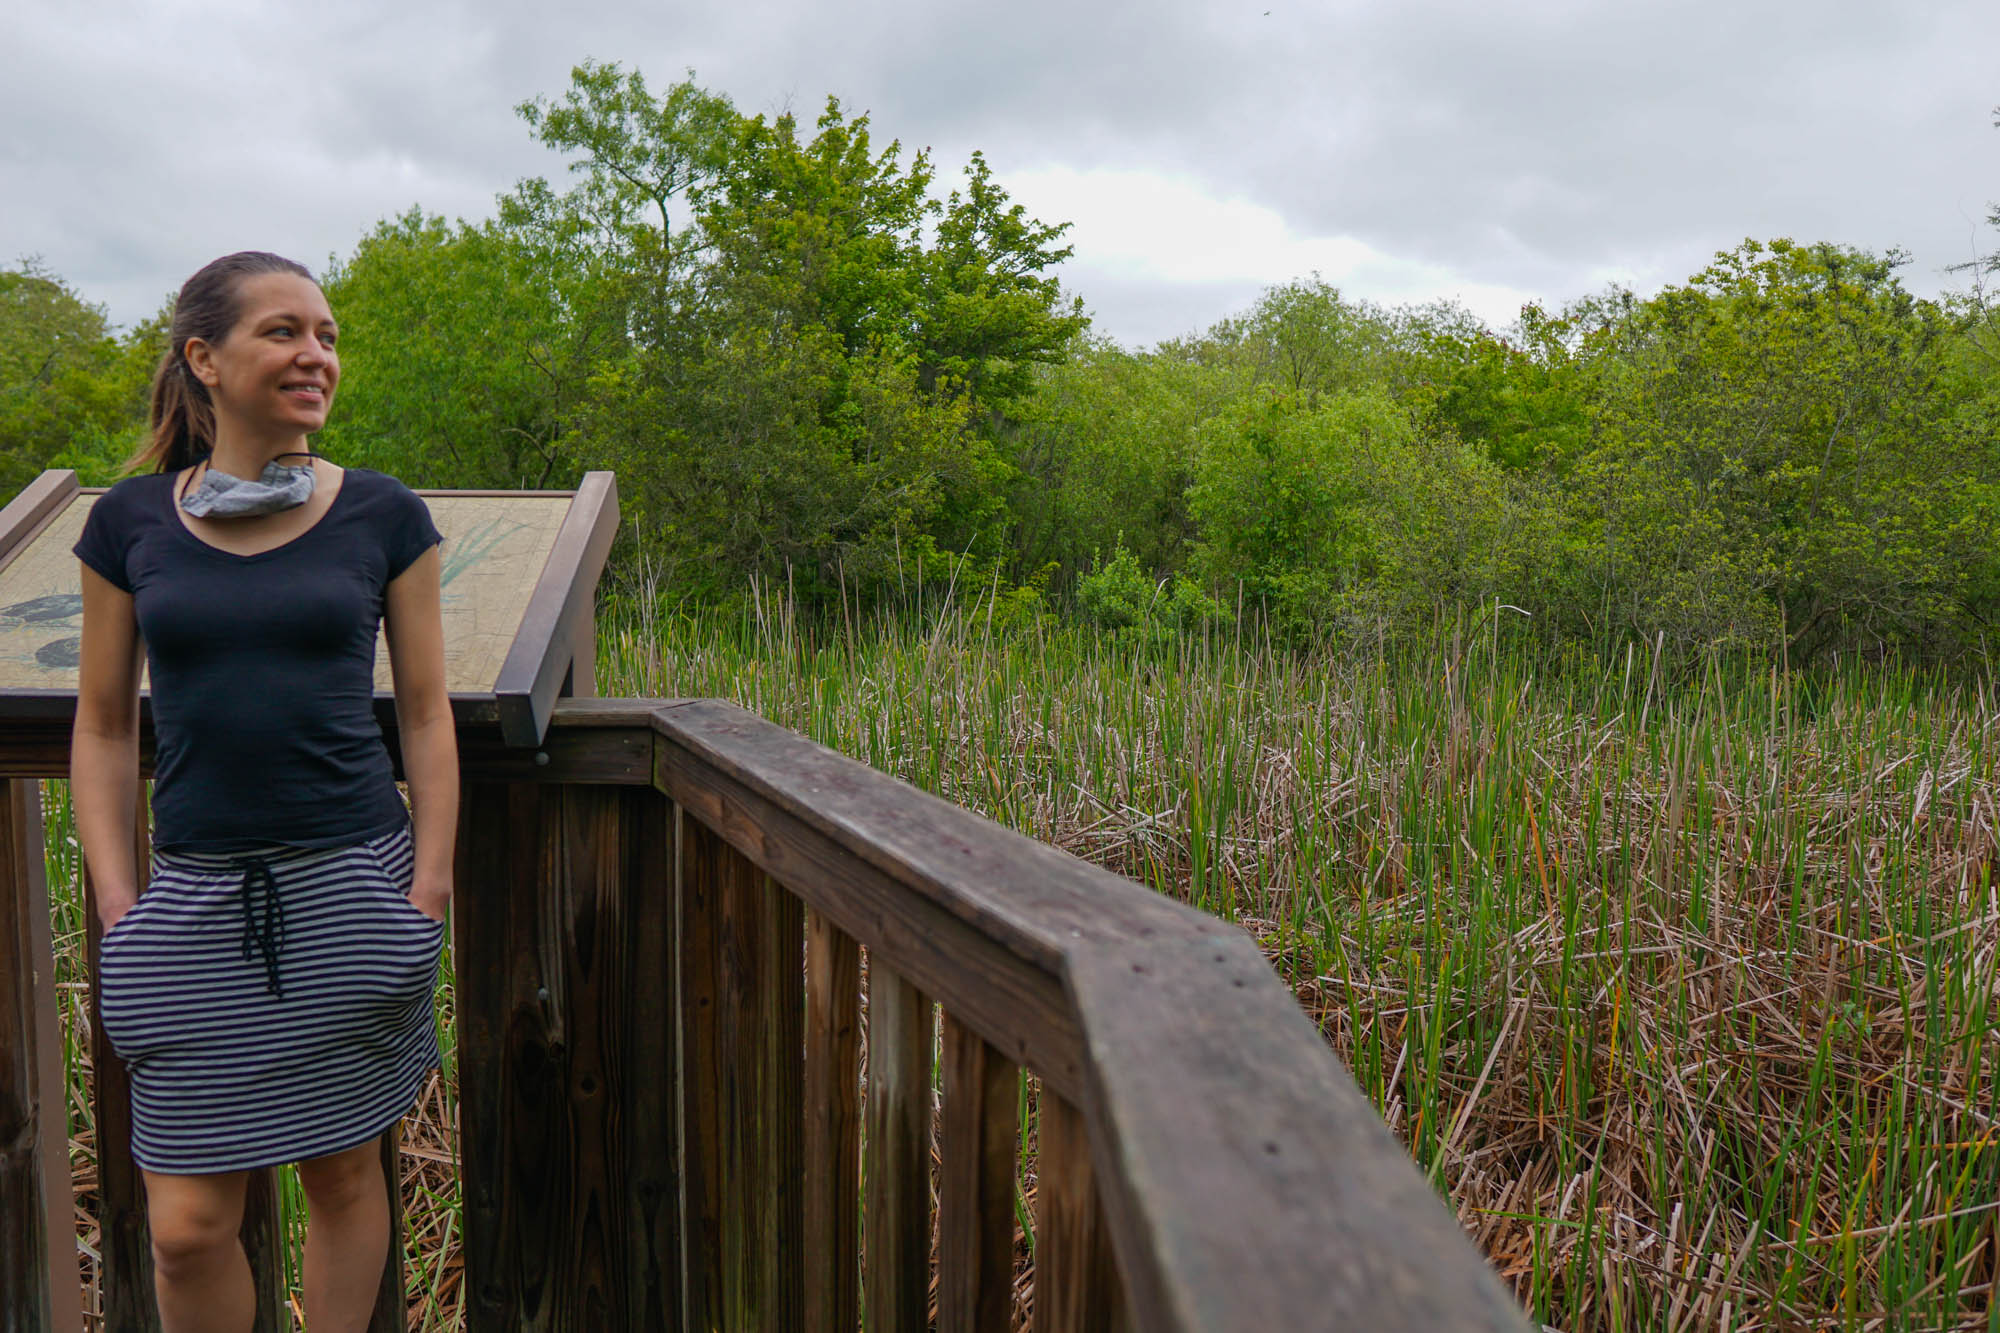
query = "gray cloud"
x=1538 y=146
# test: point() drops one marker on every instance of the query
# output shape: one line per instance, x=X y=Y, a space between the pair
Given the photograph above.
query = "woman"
x=271 y=990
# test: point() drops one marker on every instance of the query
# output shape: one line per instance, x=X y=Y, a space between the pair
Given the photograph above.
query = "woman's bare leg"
x=347 y=1237
x=201 y=1276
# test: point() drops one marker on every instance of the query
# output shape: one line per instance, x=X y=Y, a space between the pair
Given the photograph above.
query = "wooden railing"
x=677 y=928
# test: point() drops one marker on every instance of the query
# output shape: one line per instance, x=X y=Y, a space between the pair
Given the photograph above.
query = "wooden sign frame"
x=553 y=652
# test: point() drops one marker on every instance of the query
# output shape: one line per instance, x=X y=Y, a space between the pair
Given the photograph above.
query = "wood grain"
x=264 y=1245
x=30 y=511
x=565 y=1189
x=1077 y=1287
x=1247 y=1182
x=698 y=892
x=897 y=1156
x=392 y=1311
x=38 y=1268
x=543 y=650
x=125 y=1268
x=743 y=1004
x=650 y=1108
x=978 y=1141
x=779 y=1044
x=833 y=1128
x=1016 y=1002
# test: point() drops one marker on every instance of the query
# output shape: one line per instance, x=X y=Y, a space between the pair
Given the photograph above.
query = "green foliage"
x=809 y=361
x=461 y=364
x=1102 y=450
x=70 y=391
x=1344 y=516
x=1775 y=459
x=813 y=359
x=1121 y=597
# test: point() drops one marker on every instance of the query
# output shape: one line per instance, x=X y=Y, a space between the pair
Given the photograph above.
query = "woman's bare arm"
x=415 y=631
x=104 y=745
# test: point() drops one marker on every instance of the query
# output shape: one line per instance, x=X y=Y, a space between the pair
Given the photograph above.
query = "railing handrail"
x=1249 y=1184
x=1245 y=1181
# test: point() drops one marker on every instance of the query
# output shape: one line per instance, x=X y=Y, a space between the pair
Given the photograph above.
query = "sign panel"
x=495 y=547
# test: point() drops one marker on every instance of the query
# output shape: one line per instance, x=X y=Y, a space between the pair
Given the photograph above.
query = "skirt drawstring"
x=263 y=934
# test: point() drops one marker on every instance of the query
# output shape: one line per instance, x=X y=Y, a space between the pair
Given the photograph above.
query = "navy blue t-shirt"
x=263 y=665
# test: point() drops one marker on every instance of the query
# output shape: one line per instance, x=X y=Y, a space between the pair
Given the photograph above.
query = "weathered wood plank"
x=125 y=1268
x=742 y=947
x=781 y=1004
x=587 y=893
x=897 y=1160
x=651 y=1111
x=38 y=1269
x=1014 y=1001
x=1070 y=971
x=564 y=1189
x=1077 y=1287
x=516 y=1140
x=1248 y=1183
x=568 y=754
x=978 y=1140
x=700 y=863
x=832 y=1245
x=543 y=650
x=31 y=510
x=391 y=1308
x=264 y=1245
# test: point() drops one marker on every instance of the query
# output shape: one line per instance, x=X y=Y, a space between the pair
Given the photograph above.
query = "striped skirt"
x=271 y=1008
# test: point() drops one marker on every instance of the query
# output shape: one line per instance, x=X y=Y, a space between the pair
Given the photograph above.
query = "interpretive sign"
x=519 y=573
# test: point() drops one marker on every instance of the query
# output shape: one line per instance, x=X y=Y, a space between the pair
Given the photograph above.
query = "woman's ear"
x=201 y=360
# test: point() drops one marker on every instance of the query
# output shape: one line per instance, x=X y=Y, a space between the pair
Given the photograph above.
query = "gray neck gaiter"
x=219 y=495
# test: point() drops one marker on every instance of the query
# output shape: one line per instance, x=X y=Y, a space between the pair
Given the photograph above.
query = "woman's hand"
x=108 y=913
x=430 y=895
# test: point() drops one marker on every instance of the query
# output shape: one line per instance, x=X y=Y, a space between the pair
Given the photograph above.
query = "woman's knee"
x=344 y=1179
x=193 y=1220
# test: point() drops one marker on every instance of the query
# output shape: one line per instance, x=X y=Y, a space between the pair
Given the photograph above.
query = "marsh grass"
x=1682 y=991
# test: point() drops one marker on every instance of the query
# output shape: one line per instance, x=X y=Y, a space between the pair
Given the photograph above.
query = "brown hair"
x=182 y=418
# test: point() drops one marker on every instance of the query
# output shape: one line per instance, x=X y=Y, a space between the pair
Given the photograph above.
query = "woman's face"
x=276 y=370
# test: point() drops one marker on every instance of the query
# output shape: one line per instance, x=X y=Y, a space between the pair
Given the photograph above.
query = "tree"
x=70 y=391
x=1773 y=458
x=465 y=361
x=812 y=350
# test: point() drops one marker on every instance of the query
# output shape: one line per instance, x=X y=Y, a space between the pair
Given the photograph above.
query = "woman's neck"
x=243 y=456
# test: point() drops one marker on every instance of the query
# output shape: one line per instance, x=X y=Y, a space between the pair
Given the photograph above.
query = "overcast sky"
x=1404 y=149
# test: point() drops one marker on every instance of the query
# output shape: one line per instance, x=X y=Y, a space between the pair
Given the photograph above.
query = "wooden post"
x=743 y=1002
x=651 y=1110
x=38 y=1271
x=264 y=1245
x=697 y=918
x=896 y=1276
x=558 y=1044
x=778 y=1042
x=979 y=1139
x=833 y=1128
x=1077 y=1287
x=125 y=1268
x=392 y=1311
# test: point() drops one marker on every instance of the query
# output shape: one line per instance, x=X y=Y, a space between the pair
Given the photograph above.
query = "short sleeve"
x=105 y=540
x=410 y=530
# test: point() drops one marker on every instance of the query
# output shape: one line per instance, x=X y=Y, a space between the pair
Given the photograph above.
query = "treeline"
x=813 y=364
